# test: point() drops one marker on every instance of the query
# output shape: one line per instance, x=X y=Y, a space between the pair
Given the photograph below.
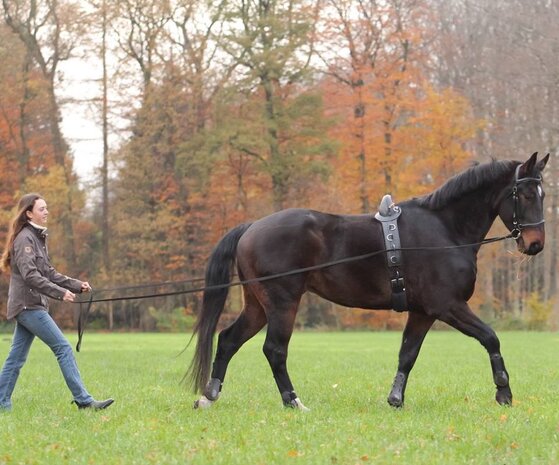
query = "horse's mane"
x=469 y=180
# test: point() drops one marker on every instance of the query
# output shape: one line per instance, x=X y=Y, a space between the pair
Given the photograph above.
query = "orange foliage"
x=238 y=192
x=434 y=142
x=367 y=319
x=428 y=141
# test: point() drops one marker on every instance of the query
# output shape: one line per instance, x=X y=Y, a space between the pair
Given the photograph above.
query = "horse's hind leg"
x=465 y=321
x=251 y=320
x=414 y=333
x=280 y=328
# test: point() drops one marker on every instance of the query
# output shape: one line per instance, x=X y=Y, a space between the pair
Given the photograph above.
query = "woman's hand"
x=86 y=287
x=69 y=296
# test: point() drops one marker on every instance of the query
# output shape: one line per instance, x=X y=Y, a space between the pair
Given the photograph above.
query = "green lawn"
x=450 y=416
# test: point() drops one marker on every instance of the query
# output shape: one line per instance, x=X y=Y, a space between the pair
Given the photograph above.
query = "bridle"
x=516 y=226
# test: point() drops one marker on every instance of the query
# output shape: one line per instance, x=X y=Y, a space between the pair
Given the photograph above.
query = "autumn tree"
x=15 y=80
x=371 y=50
x=272 y=41
x=161 y=170
x=27 y=163
x=103 y=51
x=433 y=142
x=49 y=32
x=14 y=113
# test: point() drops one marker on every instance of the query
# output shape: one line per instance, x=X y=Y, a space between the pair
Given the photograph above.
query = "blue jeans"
x=31 y=323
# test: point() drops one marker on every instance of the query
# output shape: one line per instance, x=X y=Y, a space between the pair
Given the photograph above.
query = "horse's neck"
x=472 y=215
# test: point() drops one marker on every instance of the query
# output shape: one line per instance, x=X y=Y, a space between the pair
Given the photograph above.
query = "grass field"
x=450 y=416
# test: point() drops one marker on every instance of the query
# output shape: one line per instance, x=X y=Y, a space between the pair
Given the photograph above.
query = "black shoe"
x=96 y=404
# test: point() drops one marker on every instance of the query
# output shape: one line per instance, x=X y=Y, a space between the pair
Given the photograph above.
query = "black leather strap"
x=82 y=320
x=394 y=256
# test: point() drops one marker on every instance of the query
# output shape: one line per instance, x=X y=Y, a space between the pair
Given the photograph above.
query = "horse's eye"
x=528 y=195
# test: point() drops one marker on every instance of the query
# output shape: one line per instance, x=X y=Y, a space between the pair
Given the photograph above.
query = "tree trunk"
x=552 y=228
x=24 y=152
x=279 y=181
x=387 y=158
x=105 y=229
x=359 y=116
x=60 y=150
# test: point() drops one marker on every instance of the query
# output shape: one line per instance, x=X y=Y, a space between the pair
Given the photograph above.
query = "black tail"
x=218 y=272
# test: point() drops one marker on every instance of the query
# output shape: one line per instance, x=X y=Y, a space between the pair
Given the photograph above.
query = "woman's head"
x=31 y=207
x=34 y=208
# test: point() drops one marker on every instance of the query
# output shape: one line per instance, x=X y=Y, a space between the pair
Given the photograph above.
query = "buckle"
x=398 y=285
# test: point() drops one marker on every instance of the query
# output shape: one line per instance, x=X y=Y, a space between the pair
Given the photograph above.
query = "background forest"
x=214 y=113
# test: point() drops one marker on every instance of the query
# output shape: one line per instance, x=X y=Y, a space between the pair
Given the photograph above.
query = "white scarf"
x=43 y=229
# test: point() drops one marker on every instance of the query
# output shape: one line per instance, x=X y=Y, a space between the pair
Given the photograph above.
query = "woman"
x=32 y=279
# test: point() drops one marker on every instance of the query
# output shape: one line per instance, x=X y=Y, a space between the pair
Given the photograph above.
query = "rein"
x=514 y=234
x=82 y=321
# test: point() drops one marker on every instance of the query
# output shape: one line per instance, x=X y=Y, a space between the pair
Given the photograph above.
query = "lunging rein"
x=388 y=215
x=82 y=319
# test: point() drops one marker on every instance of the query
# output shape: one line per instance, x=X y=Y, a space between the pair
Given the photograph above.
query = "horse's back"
x=297 y=238
x=291 y=220
x=306 y=235
x=285 y=240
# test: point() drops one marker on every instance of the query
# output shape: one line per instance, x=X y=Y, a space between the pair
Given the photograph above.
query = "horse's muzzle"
x=531 y=241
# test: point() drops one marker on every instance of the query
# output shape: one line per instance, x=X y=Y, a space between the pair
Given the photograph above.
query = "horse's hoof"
x=300 y=406
x=504 y=396
x=395 y=401
x=296 y=404
x=202 y=403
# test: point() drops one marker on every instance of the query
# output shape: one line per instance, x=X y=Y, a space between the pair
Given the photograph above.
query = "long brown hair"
x=26 y=204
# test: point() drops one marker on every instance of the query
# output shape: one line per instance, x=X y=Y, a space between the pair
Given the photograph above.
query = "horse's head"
x=522 y=209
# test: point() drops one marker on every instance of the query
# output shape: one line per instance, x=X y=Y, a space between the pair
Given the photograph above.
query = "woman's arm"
x=74 y=285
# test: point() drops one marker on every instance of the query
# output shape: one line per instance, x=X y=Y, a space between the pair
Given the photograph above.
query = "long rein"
x=84 y=314
x=515 y=234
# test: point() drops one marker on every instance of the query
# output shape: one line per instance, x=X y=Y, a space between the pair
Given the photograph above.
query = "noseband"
x=516 y=226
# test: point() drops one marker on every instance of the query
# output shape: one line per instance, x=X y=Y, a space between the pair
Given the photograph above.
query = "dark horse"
x=439 y=282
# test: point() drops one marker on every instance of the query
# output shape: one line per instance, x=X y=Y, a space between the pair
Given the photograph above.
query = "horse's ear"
x=541 y=164
x=528 y=166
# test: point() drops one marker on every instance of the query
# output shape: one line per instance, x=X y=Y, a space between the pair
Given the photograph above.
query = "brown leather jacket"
x=33 y=278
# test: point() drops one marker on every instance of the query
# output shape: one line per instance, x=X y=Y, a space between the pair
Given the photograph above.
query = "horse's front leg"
x=414 y=333
x=464 y=320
